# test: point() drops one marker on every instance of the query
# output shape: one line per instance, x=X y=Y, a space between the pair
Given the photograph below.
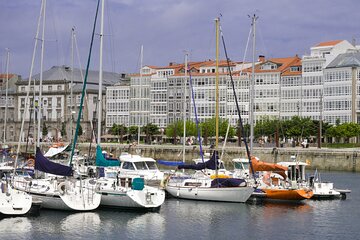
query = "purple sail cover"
x=211 y=164
x=44 y=165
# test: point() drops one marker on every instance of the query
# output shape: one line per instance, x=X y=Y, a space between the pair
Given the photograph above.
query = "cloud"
x=167 y=27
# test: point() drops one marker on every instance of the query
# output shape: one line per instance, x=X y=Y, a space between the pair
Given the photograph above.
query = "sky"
x=168 y=28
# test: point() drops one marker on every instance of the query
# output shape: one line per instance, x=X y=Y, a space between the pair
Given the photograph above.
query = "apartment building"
x=61 y=95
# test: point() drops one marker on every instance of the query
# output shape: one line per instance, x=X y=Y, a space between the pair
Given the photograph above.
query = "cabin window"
x=128 y=165
x=152 y=165
x=141 y=166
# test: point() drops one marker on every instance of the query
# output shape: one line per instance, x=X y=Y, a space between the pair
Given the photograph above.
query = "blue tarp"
x=101 y=161
x=210 y=164
x=44 y=165
x=169 y=163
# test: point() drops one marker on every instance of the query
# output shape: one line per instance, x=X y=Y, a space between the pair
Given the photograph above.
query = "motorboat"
x=145 y=167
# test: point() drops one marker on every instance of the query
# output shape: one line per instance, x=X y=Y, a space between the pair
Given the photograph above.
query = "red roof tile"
x=329 y=43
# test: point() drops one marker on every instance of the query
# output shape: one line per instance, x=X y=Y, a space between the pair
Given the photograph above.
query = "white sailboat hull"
x=14 y=202
x=226 y=194
x=148 y=198
x=71 y=198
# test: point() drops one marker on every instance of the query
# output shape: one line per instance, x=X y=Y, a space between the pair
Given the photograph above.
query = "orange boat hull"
x=288 y=194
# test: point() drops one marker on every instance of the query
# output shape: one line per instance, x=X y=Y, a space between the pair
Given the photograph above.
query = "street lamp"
x=162 y=134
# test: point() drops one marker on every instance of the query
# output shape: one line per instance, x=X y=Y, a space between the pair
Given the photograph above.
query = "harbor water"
x=185 y=219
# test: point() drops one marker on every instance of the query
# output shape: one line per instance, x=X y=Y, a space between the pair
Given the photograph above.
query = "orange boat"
x=272 y=185
x=288 y=194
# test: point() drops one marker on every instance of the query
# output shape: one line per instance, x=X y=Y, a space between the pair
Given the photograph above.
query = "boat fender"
x=62 y=188
x=31 y=162
x=165 y=181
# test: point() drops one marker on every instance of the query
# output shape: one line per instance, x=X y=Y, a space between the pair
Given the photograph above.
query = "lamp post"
x=162 y=135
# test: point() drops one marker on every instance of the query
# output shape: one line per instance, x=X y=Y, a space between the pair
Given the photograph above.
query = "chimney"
x=261 y=58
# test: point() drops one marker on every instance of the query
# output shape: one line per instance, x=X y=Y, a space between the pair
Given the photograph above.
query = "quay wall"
x=321 y=159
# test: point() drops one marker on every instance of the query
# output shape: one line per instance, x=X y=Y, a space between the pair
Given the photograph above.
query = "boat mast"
x=252 y=85
x=217 y=20
x=6 y=91
x=140 y=92
x=41 y=74
x=184 y=107
x=72 y=84
x=100 y=72
x=28 y=88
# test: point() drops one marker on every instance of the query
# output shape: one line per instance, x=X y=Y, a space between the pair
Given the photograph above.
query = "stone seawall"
x=322 y=159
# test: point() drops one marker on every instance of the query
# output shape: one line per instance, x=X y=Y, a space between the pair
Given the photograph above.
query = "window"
x=50 y=88
x=141 y=166
x=128 y=165
x=58 y=102
x=59 y=87
x=22 y=102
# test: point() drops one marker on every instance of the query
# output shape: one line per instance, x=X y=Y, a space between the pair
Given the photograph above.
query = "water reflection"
x=151 y=225
x=12 y=226
x=80 y=224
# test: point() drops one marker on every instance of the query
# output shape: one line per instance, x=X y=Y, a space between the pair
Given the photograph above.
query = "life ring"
x=62 y=188
x=31 y=162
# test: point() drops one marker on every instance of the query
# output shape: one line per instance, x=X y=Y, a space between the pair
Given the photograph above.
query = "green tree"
x=345 y=130
x=150 y=130
x=133 y=131
x=174 y=130
x=80 y=132
x=119 y=130
x=266 y=126
x=208 y=129
x=44 y=130
x=63 y=129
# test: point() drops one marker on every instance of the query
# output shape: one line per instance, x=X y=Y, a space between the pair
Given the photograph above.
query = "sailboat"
x=117 y=189
x=12 y=201
x=203 y=187
x=273 y=181
x=61 y=189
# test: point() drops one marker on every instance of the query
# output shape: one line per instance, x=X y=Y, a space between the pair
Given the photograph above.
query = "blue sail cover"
x=210 y=164
x=169 y=163
x=227 y=182
x=44 y=165
x=101 y=161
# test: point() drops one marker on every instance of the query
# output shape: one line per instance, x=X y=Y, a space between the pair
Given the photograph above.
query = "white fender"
x=62 y=188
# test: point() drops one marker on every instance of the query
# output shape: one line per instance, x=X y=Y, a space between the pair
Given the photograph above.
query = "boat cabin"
x=143 y=166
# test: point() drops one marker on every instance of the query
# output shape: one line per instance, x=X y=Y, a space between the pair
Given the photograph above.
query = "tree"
x=133 y=131
x=150 y=130
x=44 y=130
x=345 y=130
x=266 y=126
x=208 y=129
x=173 y=130
x=63 y=129
x=80 y=132
x=119 y=130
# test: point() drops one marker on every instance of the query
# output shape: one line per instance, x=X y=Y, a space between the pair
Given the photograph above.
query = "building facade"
x=60 y=103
